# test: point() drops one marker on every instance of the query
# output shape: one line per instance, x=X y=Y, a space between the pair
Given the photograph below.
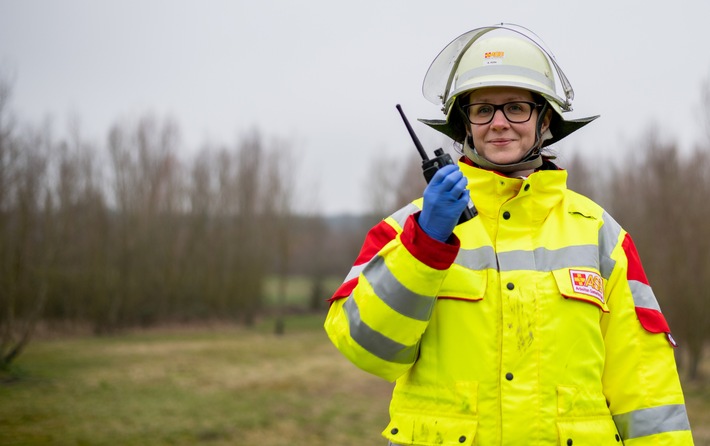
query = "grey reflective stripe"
x=477 y=259
x=401 y=215
x=395 y=295
x=656 y=420
x=375 y=342
x=643 y=295
x=608 y=238
x=543 y=259
x=355 y=271
x=506 y=70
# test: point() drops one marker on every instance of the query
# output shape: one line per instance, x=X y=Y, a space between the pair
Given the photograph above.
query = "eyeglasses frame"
x=534 y=106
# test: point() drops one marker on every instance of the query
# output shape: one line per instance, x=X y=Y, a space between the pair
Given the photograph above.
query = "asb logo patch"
x=588 y=283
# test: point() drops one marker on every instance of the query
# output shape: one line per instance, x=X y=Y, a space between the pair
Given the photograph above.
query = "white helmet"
x=515 y=59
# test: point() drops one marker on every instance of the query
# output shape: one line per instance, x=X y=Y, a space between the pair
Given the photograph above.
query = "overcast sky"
x=325 y=75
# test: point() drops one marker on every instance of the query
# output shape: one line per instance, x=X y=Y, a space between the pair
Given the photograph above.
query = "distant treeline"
x=129 y=234
x=149 y=239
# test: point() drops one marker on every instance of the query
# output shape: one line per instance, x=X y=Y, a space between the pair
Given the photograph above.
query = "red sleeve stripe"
x=635 y=269
x=647 y=309
x=376 y=239
x=430 y=252
x=344 y=290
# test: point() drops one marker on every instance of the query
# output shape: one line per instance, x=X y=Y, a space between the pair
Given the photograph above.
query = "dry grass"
x=214 y=386
x=218 y=387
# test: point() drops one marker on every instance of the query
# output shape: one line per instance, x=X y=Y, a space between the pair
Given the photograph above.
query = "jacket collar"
x=539 y=192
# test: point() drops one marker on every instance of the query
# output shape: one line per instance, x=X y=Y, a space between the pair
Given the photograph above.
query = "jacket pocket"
x=464 y=284
x=428 y=430
x=574 y=402
x=584 y=418
x=597 y=431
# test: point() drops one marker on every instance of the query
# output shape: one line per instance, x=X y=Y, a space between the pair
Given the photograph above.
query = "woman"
x=532 y=323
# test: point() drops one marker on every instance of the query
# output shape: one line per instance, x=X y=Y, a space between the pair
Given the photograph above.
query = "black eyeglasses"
x=516 y=112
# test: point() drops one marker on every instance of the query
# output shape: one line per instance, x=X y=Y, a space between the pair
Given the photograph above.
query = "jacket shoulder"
x=581 y=204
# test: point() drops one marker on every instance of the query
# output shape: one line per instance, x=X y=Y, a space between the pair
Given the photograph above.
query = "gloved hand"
x=445 y=198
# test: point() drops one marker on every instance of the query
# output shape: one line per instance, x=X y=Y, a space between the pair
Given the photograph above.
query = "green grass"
x=219 y=385
x=214 y=386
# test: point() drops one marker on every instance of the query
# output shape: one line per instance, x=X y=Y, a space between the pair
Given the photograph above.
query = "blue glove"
x=445 y=198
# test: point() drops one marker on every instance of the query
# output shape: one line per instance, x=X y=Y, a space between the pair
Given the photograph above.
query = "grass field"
x=217 y=385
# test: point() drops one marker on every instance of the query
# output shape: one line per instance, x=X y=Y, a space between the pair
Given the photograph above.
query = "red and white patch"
x=588 y=283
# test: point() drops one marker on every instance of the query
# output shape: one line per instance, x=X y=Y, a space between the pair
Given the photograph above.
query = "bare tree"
x=249 y=229
x=410 y=184
x=380 y=185
x=80 y=213
x=10 y=159
x=28 y=242
x=392 y=183
x=279 y=193
x=240 y=255
x=147 y=186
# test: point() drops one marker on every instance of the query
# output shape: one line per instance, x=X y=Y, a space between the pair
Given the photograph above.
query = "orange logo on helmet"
x=491 y=54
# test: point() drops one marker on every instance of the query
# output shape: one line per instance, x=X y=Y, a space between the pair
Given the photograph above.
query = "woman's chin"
x=503 y=159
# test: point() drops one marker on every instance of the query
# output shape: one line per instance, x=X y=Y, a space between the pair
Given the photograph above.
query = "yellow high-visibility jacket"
x=535 y=325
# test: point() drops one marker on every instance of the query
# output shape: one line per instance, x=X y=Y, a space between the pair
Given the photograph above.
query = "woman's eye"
x=515 y=108
x=483 y=110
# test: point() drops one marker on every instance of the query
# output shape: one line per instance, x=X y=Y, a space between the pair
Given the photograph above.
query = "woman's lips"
x=500 y=141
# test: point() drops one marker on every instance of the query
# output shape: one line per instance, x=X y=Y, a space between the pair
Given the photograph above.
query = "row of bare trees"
x=127 y=233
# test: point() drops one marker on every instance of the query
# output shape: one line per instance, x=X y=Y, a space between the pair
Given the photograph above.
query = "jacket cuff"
x=431 y=252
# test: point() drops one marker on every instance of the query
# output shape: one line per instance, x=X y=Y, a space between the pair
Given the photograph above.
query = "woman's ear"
x=546 y=121
x=463 y=119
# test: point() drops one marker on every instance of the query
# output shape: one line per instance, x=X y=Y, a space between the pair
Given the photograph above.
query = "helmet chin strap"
x=530 y=161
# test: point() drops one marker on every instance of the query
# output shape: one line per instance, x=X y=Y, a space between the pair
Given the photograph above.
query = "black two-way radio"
x=430 y=166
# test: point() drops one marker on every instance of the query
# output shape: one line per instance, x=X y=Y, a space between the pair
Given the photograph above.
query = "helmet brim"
x=559 y=127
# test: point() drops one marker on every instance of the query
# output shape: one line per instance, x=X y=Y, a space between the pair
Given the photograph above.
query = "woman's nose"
x=499 y=119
